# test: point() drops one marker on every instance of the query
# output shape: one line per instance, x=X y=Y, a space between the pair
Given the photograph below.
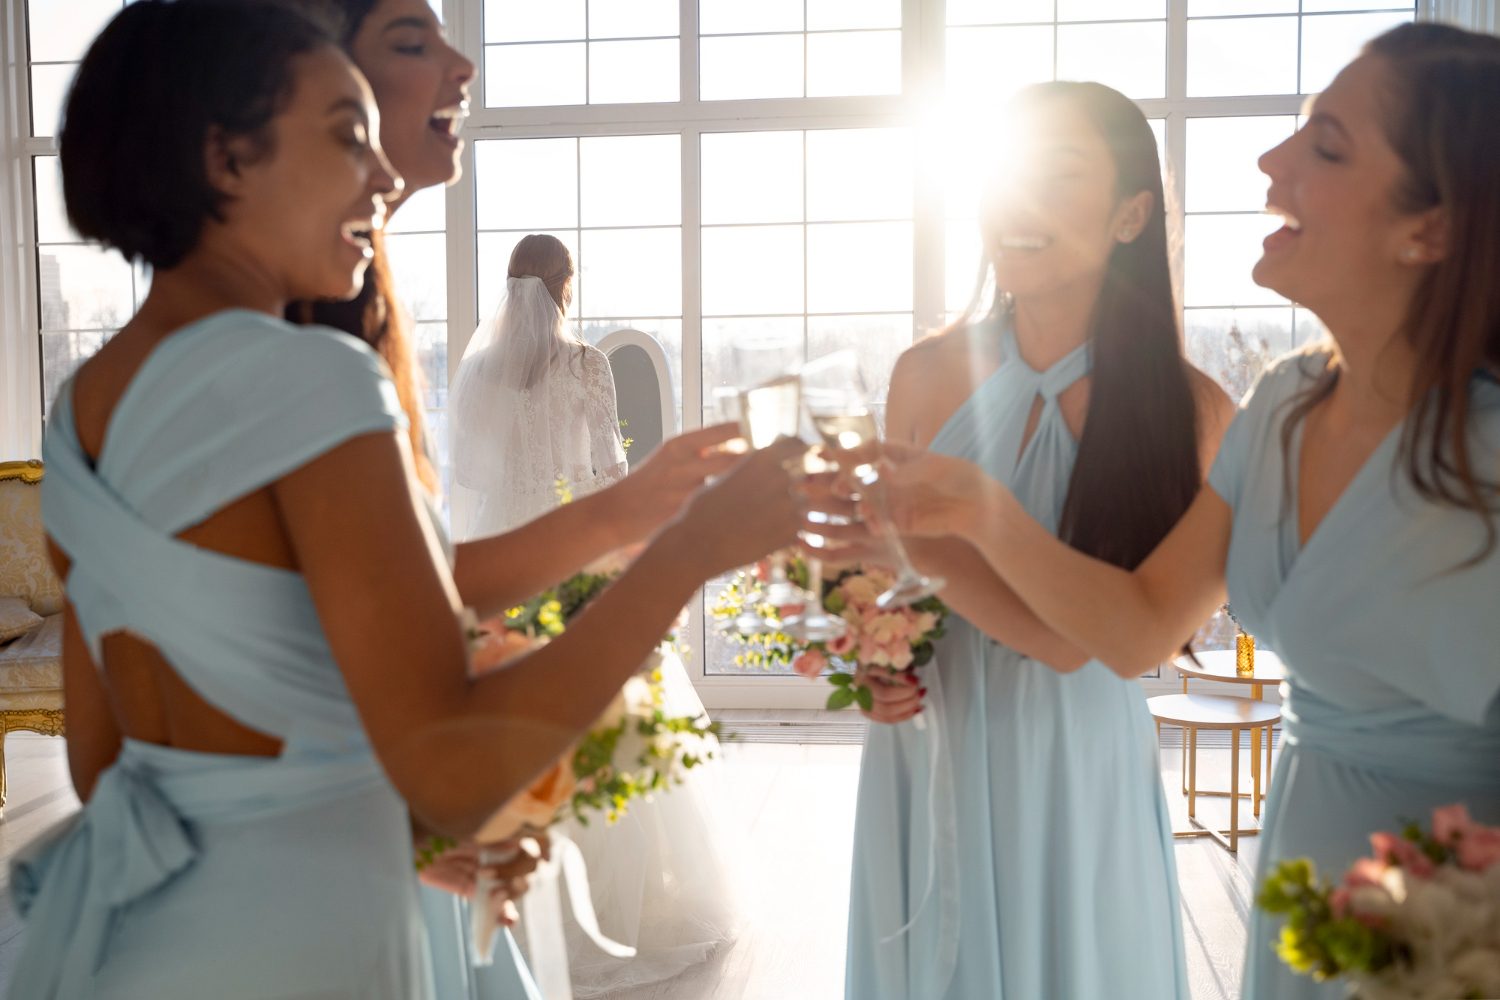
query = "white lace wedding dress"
x=533 y=413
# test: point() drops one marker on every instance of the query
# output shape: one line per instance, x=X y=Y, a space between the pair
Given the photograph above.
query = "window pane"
x=1250 y=56
x=526 y=183
x=823 y=15
x=1110 y=10
x=633 y=72
x=987 y=65
x=856 y=63
x=83 y=288
x=752 y=177
x=423 y=212
x=878 y=340
x=998 y=11
x=493 y=263
x=419 y=265
x=1330 y=42
x=759 y=66
x=49 y=91
x=1208 y=8
x=730 y=16
x=859 y=174
x=1132 y=58
x=518 y=76
x=527 y=21
x=1222 y=175
x=51 y=215
x=61 y=30
x=1220 y=251
x=859 y=267
x=1312 y=5
x=1233 y=346
x=719 y=337
x=62 y=352
x=632 y=18
x=964 y=264
x=631 y=180
x=752 y=270
x=431 y=342
x=631 y=272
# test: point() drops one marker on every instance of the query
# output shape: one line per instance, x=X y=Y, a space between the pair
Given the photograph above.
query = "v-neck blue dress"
x=1025 y=833
x=1391 y=638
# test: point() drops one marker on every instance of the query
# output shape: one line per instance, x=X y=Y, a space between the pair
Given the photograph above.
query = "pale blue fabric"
x=1391 y=645
x=202 y=875
x=1056 y=876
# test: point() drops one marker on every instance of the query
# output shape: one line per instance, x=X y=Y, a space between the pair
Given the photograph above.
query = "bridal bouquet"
x=899 y=640
x=1419 y=920
x=633 y=750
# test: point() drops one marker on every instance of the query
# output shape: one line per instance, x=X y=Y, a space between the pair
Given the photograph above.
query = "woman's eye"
x=1328 y=154
x=410 y=50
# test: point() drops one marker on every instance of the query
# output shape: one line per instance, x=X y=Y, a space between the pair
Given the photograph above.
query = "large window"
x=810 y=166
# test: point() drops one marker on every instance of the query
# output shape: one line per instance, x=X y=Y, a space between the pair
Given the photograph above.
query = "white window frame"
x=923 y=42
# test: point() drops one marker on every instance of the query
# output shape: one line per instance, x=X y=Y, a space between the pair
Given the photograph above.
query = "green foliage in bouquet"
x=1314 y=941
x=548 y=613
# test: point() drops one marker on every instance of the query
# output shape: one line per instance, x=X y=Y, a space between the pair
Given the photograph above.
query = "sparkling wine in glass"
x=839 y=403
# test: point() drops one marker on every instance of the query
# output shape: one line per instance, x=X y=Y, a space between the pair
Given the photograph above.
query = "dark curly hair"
x=157 y=82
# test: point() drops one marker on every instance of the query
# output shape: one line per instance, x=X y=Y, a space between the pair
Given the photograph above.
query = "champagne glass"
x=838 y=401
x=770 y=408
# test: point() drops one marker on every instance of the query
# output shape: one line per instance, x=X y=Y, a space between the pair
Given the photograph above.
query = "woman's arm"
x=502 y=571
x=455 y=746
x=1131 y=621
x=93 y=738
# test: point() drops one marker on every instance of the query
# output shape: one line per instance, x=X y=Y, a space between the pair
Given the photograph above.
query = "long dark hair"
x=1441 y=90
x=1137 y=469
x=375 y=315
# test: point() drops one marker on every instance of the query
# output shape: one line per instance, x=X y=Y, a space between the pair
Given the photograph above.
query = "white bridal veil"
x=531 y=407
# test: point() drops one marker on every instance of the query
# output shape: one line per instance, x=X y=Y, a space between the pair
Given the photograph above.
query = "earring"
x=1410 y=255
x=1125 y=236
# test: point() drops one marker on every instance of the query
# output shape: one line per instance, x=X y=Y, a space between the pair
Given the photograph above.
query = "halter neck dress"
x=1054 y=874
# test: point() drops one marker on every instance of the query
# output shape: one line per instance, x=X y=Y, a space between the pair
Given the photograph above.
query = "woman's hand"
x=749 y=512
x=930 y=495
x=663 y=483
x=898 y=696
x=508 y=866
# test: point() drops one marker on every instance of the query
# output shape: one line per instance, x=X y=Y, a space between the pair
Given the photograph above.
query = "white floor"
x=796 y=804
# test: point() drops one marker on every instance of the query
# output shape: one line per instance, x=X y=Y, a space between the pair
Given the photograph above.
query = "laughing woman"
x=1055 y=875
x=1355 y=503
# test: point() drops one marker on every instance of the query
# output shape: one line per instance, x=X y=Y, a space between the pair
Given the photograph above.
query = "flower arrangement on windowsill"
x=1418 y=920
x=900 y=640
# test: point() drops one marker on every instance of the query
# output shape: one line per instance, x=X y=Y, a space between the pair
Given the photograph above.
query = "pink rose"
x=1338 y=901
x=1365 y=871
x=842 y=646
x=900 y=655
x=861 y=591
x=1451 y=823
x=811 y=664
x=1479 y=849
x=1394 y=850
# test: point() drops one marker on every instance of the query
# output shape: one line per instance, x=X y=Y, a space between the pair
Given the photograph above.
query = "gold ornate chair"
x=31 y=696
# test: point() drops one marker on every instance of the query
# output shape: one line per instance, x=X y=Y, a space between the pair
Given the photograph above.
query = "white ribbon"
x=542 y=917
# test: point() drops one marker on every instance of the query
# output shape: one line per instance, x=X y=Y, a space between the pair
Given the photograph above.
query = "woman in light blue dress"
x=1354 y=503
x=1022 y=837
x=265 y=672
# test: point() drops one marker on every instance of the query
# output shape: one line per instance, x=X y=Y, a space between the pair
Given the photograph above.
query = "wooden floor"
x=796 y=804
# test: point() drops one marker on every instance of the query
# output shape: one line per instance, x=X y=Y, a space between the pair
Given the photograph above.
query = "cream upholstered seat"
x=31 y=696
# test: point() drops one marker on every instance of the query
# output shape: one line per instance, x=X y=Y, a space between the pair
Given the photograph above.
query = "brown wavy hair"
x=1138 y=466
x=375 y=315
x=1441 y=89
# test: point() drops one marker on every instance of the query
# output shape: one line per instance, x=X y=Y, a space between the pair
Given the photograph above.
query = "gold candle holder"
x=1244 y=654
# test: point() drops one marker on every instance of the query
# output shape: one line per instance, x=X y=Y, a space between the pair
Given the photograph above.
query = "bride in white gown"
x=533 y=414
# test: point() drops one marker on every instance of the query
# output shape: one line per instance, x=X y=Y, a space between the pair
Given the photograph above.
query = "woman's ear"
x=1132 y=215
x=223 y=158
